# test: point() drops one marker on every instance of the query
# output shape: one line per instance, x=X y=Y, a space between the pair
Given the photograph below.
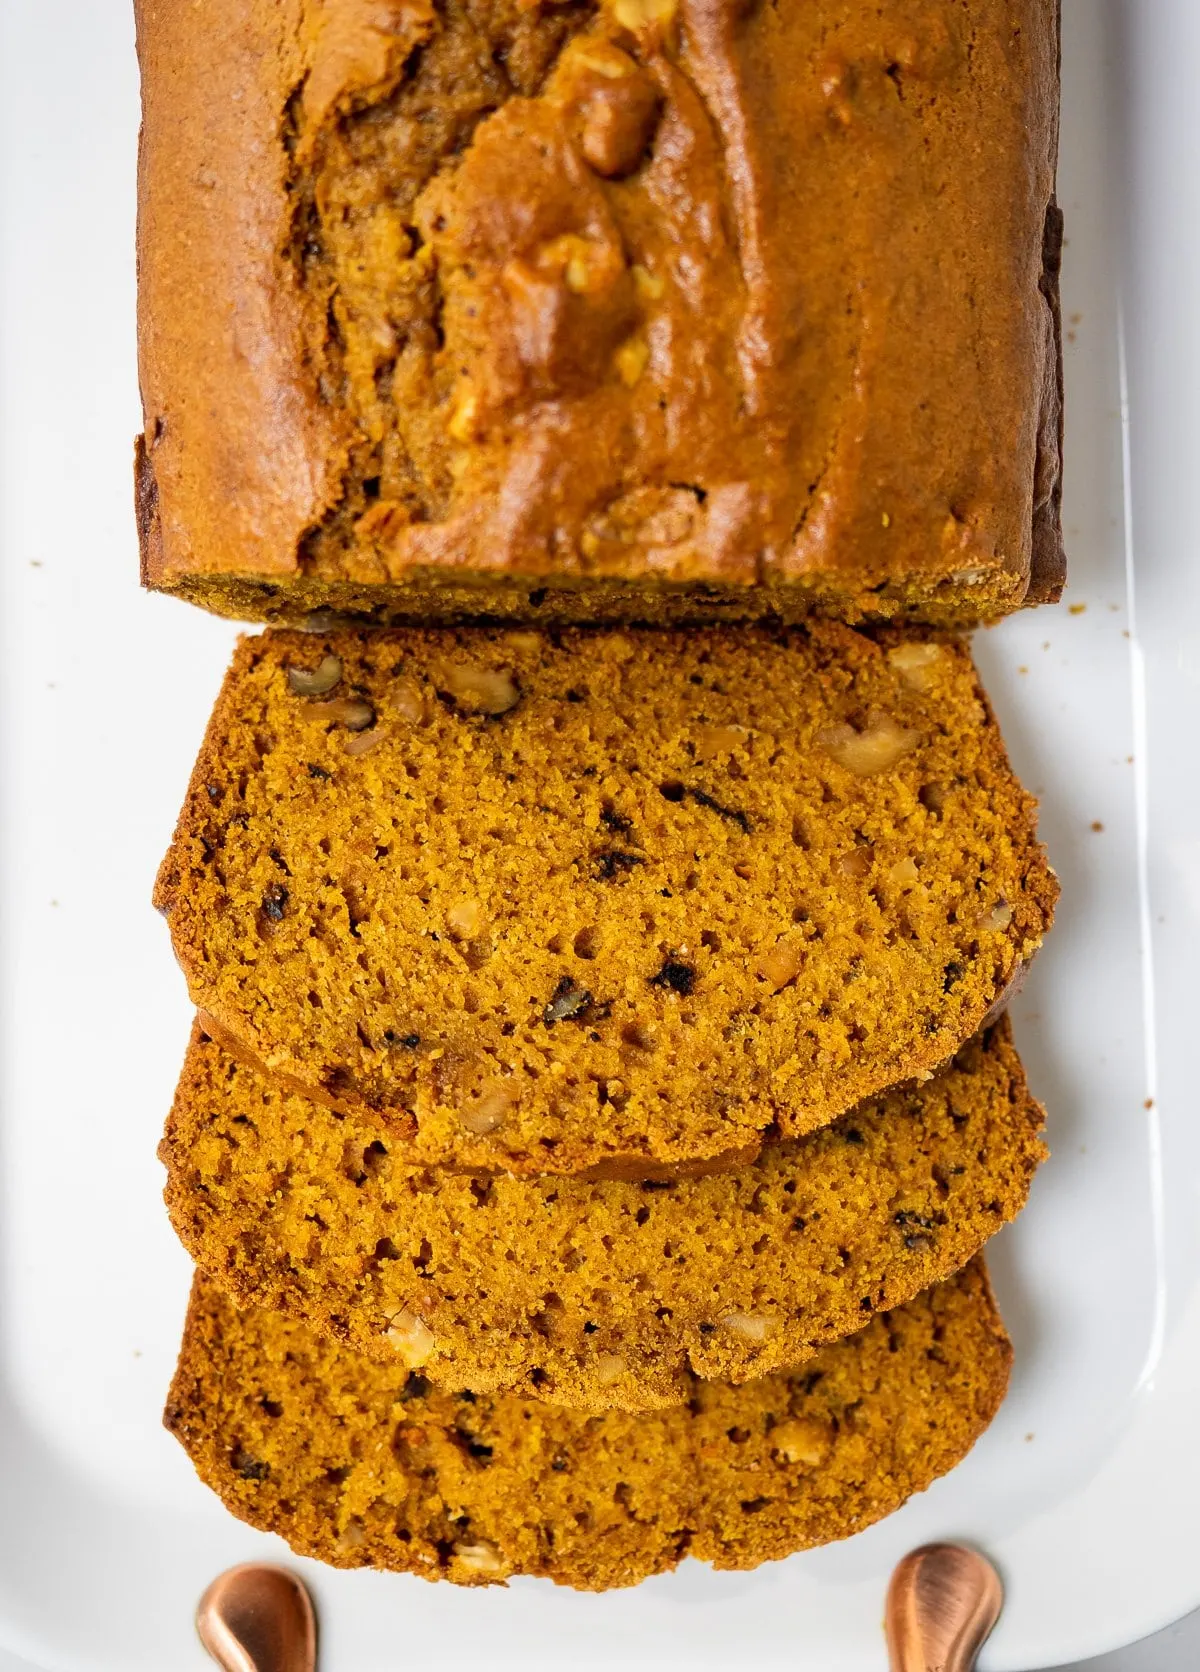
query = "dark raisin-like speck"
x=680 y=978
x=612 y=863
x=568 y=1002
x=733 y=814
x=673 y=790
x=250 y=1468
x=274 y=902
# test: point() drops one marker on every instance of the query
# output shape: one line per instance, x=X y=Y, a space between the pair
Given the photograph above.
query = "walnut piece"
x=644 y=14
x=651 y=287
x=364 y=741
x=315 y=682
x=355 y=713
x=904 y=873
x=412 y=1338
x=531 y=644
x=406 y=700
x=856 y=863
x=479 y=690
x=782 y=963
x=631 y=360
x=587 y=266
x=718 y=740
x=465 y=919
x=916 y=663
x=801 y=1441
x=1000 y=916
x=617 y=107
x=482 y=1558
x=461 y=424
x=753 y=1328
x=489 y=1112
x=610 y=1367
x=879 y=748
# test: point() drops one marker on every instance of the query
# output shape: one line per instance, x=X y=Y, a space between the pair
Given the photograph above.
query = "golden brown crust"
x=365 y=361
x=595 y=1296
x=1048 y=567
x=145 y=510
x=359 y=1465
x=589 y=900
x=239 y=449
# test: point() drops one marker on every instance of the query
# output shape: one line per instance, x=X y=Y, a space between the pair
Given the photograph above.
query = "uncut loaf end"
x=653 y=310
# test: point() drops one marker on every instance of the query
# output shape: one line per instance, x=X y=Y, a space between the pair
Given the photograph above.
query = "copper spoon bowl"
x=942 y=1604
x=257 y=1618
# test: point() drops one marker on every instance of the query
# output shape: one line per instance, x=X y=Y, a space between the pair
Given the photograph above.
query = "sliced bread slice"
x=366 y=1465
x=624 y=903
x=594 y=1294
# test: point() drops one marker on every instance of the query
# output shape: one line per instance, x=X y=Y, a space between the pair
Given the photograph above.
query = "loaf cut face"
x=595 y=1295
x=624 y=902
x=362 y=1464
x=658 y=310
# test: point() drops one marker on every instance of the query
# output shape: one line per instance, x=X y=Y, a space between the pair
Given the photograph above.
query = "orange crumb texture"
x=619 y=902
x=602 y=1294
x=367 y=1465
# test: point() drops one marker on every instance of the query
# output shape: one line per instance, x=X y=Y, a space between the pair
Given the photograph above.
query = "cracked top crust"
x=590 y=311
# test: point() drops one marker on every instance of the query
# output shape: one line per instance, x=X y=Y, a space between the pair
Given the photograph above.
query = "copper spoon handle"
x=258 y=1618
x=942 y=1604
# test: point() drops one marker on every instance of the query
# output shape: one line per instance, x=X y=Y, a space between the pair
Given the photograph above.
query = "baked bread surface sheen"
x=644 y=310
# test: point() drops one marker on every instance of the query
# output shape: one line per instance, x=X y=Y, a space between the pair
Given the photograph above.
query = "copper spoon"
x=942 y=1604
x=257 y=1618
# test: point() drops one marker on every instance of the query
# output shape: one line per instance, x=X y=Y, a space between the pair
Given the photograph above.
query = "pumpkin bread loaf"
x=363 y=1464
x=596 y=1295
x=625 y=902
x=659 y=310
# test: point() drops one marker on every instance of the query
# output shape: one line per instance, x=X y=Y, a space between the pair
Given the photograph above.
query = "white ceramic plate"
x=1087 y=1490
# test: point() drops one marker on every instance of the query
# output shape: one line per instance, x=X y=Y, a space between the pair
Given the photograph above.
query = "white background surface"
x=1175 y=1650
x=1087 y=1490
